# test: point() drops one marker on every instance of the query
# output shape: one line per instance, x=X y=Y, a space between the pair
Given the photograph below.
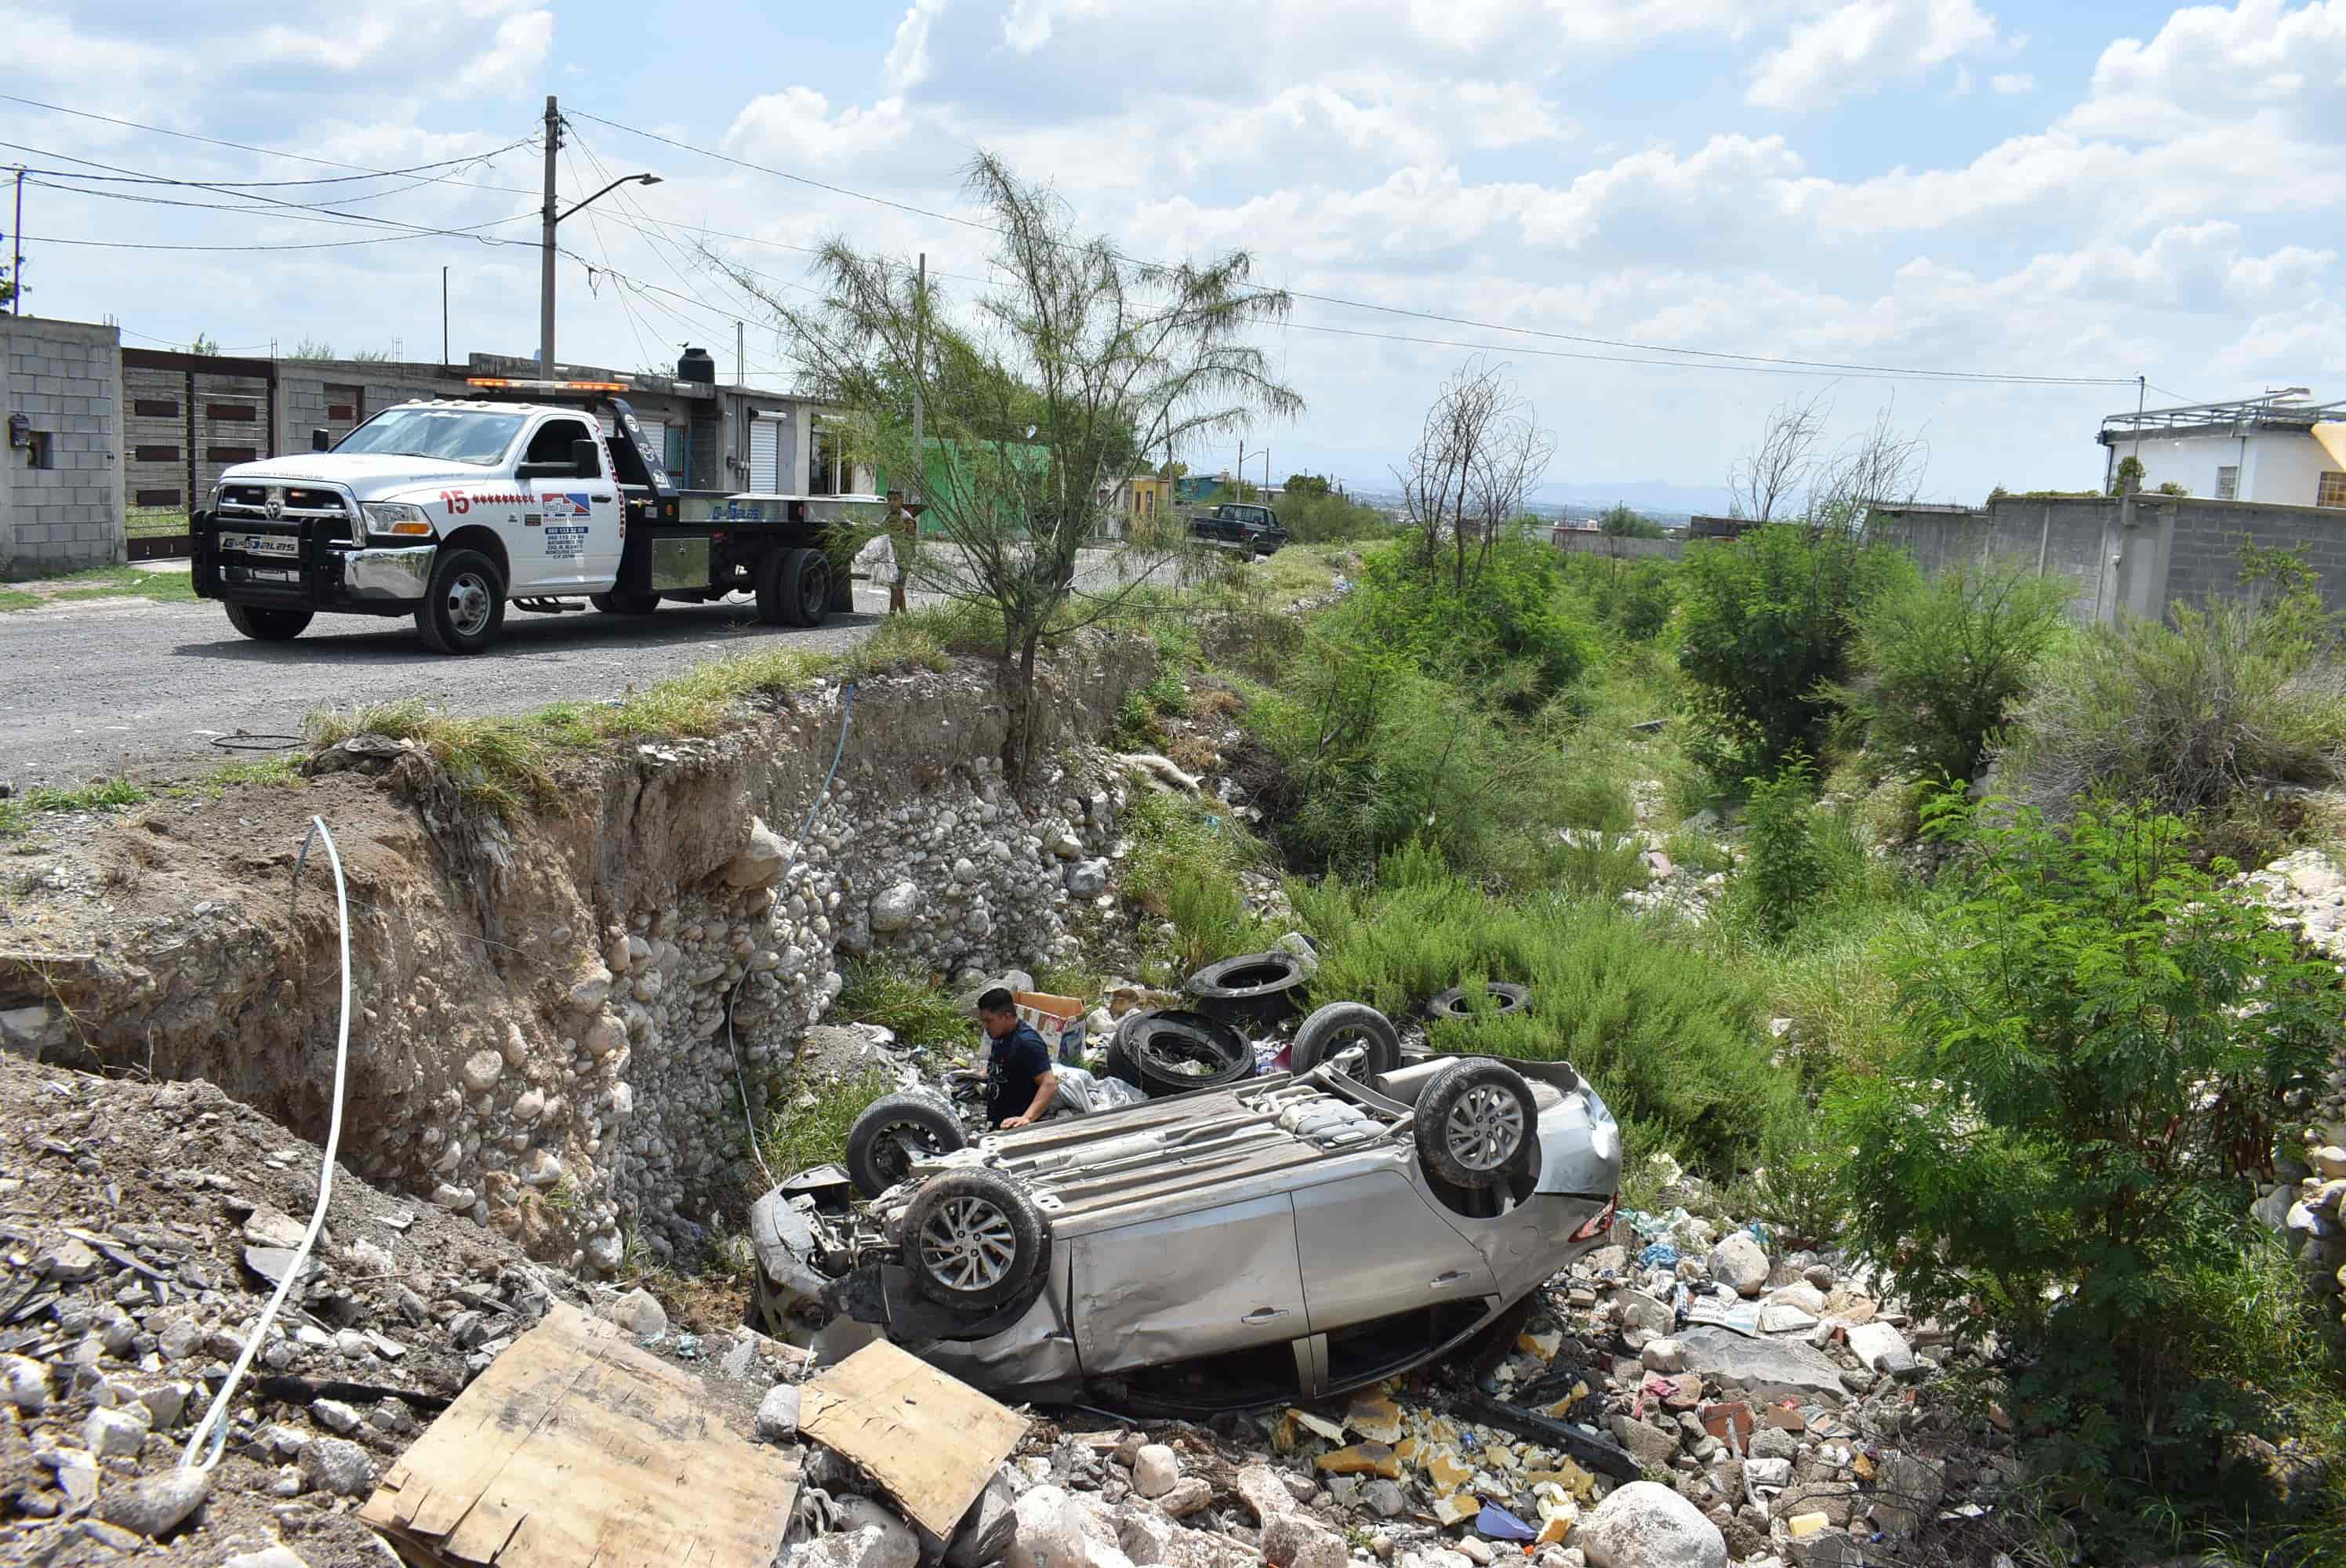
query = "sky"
x=2085 y=191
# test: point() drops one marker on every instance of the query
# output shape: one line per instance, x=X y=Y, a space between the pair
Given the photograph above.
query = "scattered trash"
x=1660 y=1255
x=930 y=1441
x=1499 y=1524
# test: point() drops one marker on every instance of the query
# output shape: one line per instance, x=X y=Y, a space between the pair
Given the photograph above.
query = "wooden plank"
x=930 y=1440
x=577 y=1447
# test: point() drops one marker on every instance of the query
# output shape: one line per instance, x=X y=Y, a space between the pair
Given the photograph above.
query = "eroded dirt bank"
x=538 y=1036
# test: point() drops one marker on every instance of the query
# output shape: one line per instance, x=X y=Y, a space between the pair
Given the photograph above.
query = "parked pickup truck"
x=452 y=510
x=1232 y=522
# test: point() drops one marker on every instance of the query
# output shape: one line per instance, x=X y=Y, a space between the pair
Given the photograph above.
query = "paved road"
x=107 y=685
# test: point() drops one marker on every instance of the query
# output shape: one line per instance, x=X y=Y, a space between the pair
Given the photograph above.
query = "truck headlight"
x=396 y=517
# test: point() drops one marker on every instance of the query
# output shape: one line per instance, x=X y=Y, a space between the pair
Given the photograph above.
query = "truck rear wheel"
x=464 y=605
x=263 y=626
x=794 y=589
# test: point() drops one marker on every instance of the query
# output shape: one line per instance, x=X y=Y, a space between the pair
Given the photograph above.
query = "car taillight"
x=1600 y=1222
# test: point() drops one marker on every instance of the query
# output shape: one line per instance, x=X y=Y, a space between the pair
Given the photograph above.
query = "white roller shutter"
x=609 y=424
x=766 y=456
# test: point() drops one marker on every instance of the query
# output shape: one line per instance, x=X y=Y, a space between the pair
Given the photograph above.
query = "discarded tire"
x=1337 y=1028
x=893 y=1131
x=1477 y=1125
x=1458 y=1001
x=1260 y=989
x=972 y=1241
x=1176 y=1053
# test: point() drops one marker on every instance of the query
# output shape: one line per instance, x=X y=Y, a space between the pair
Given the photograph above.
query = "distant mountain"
x=1649 y=495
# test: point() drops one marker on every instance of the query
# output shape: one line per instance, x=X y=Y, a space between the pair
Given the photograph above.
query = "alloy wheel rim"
x=968 y=1244
x=1484 y=1128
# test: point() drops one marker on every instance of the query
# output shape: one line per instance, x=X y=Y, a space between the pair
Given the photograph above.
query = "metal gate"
x=187 y=417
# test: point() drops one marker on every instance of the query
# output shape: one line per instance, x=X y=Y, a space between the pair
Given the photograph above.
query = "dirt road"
x=112 y=686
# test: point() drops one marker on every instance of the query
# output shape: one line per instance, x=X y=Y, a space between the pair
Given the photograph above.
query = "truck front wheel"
x=464 y=605
x=268 y=626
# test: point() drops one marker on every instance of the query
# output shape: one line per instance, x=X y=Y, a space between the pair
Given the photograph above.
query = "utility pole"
x=920 y=358
x=444 y=315
x=740 y=355
x=16 y=262
x=545 y=247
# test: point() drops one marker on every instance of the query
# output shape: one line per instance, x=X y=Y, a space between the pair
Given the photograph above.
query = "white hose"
x=215 y=1421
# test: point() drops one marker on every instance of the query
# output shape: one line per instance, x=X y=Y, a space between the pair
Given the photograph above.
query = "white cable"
x=215 y=1419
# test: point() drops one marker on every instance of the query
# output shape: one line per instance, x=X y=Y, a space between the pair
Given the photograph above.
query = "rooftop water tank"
x=697 y=365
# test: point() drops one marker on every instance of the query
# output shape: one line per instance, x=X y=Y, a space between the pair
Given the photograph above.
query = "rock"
x=338 y=1465
x=166 y=1403
x=869 y=1547
x=1882 y=1349
x=638 y=1312
x=117 y=1433
x=1768 y=1370
x=1384 y=1498
x=482 y=1070
x=67 y=1264
x=856 y=1515
x=1086 y=878
x=1155 y=1470
x=1768 y=1471
x=1299 y=1541
x=1654 y=1446
x=1477 y=1551
x=1053 y=1530
x=269 y=1557
x=892 y=907
x=1664 y=1356
x=760 y=860
x=1639 y=1310
x=157 y=1505
x=778 y=1413
x=1643 y=1525
x=2329 y=1162
x=540 y=1167
x=985 y=1531
x=25 y=1383
x=1907 y=1491
x=1739 y=1261
x=1189 y=1495
x=1146 y=1535
x=32 y=1031
x=265 y=1226
x=1261 y=1489
x=335 y=1416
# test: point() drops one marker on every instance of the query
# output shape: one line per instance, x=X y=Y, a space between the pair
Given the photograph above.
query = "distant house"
x=1141 y=498
x=2282 y=448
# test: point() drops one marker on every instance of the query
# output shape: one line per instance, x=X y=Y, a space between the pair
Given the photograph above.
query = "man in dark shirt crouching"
x=1019 y=1082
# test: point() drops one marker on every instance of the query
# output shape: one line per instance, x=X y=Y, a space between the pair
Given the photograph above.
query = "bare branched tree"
x=1081 y=368
x=1881 y=465
x=1478 y=459
x=1773 y=474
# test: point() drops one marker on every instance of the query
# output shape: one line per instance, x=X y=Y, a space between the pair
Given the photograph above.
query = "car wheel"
x=1261 y=988
x=794 y=589
x=1334 y=1029
x=893 y=1132
x=1177 y=1053
x=972 y=1241
x=464 y=605
x=1476 y=1124
x=263 y=626
x=616 y=604
x=1458 y=1001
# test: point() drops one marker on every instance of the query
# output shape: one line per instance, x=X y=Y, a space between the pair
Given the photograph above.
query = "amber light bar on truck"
x=503 y=383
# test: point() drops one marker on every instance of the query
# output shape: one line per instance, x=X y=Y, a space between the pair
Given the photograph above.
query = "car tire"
x=267 y=625
x=1155 y=1051
x=1338 y=1027
x=1259 y=988
x=1506 y=998
x=463 y=604
x=972 y=1241
x=1476 y=1124
x=794 y=589
x=616 y=604
x=877 y=1158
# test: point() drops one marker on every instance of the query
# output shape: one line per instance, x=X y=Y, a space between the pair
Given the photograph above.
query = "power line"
x=124 y=179
x=470 y=231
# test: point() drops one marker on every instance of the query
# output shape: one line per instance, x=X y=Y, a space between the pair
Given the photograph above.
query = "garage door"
x=766 y=456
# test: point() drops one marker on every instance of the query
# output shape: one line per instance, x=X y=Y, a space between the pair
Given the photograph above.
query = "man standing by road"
x=1019 y=1082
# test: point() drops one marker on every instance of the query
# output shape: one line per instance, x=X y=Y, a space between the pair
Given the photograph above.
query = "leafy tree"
x=8 y=285
x=1300 y=486
x=204 y=344
x=2104 y=1044
x=314 y=349
x=1940 y=663
x=1767 y=625
x=1511 y=637
x=1785 y=868
x=1620 y=522
x=1081 y=367
x=2127 y=480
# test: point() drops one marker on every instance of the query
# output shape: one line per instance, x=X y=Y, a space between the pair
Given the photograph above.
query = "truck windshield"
x=453 y=434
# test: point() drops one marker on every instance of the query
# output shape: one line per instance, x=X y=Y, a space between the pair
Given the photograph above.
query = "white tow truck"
x=452 y=510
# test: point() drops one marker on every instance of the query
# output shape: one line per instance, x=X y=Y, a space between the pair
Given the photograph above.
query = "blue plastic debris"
x=1496 y=1523
x=687 y=1347
x=1660 y=1255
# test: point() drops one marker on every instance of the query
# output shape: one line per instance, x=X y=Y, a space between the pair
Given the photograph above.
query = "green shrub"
x=1508 y=635
x=1330 y=518
x=799 y=1136
x=1766 y=624
x=1784 y=866
x=900 y=1001
x=1633 y=599
x=2104 y=1042
x=1940 y=663
x=1186 y=858
x=1670 y=1041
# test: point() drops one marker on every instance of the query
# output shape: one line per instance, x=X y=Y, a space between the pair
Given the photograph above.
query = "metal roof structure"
x=2274 y=411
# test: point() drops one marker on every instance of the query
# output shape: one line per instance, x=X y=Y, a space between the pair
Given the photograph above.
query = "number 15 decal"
x=456 y=501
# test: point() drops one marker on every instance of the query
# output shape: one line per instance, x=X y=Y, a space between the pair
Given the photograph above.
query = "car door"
x=573 y=544
x=1220 y=1278
x=1371 y=1243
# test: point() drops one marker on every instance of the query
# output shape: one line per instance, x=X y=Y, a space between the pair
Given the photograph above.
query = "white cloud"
x=2207 y=64
x=907 y=64
x=1856 y=47
x=520 y=48
x=797 y=124
x=2012 y=84
x=1662 y=200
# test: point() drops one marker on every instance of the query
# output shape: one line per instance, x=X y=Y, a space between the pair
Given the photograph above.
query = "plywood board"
x=577 y=1447
x=930 y=1440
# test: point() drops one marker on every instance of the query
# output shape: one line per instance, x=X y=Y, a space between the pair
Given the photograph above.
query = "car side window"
x=552 y=442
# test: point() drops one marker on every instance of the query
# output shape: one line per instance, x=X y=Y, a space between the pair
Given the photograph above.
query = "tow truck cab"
x=452 y=509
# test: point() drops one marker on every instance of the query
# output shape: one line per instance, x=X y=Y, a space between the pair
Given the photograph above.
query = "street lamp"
x=546 y=241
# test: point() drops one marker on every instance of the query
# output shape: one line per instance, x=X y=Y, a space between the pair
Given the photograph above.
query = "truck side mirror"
x=585 y=459
x=321 y=439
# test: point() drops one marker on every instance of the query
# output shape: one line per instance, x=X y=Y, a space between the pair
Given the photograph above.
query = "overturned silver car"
x=1285 y=1237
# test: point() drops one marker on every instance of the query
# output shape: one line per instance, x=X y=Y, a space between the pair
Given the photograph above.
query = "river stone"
x=892 y=907
x=1739 y=1261
x=1768 y=1369
x=156 y=1505
x=1645 y=1525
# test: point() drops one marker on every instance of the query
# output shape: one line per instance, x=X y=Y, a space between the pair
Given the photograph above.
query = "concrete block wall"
x=66 y=379
x=1589 y=542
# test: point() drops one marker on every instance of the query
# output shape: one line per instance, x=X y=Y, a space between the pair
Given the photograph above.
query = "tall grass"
x=904 y=1002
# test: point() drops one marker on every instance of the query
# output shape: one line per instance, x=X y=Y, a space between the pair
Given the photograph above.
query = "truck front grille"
x=330 y=510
